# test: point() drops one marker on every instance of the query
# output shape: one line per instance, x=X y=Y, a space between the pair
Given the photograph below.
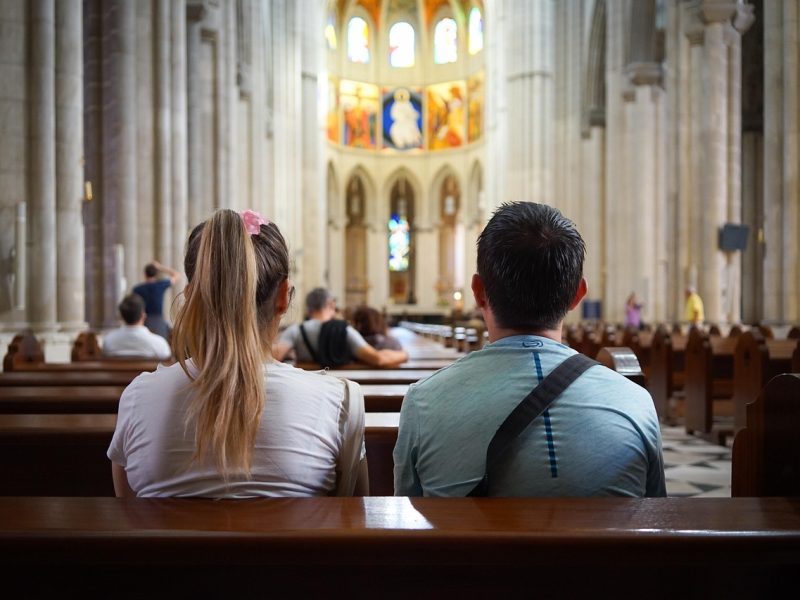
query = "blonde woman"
x=227 y=420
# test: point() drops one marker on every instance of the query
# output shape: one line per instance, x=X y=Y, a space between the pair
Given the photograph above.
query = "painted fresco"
x=360 y=106
x=402 y=118
x=332 y=119
x=446 y=115
x=475 y=106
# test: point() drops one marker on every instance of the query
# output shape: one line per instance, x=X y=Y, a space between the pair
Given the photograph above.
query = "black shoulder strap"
x=308 y=344
x=533 y=405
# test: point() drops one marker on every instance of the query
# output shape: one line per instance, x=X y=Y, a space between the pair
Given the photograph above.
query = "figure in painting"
x=404 y=131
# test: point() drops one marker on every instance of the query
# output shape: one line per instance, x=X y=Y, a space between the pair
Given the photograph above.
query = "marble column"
x=530 y=88
x=42 y=172
x=180 y=222
x=69 y=164
x=163 y=136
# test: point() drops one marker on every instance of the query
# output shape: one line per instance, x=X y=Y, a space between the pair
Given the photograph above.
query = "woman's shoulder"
x=321 y=381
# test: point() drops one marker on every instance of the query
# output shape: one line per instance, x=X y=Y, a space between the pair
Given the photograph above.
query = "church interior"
x=381 y=135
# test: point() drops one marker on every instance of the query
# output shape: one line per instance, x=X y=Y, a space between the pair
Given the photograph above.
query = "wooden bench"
x=756 y=360
x=65 y=454
x=400 y=547
x=667 y=372
x=71 y=378
x=708 y=385
x=414 y=364
x=766 y=453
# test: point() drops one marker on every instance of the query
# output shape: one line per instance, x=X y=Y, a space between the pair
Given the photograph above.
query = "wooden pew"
x=757 y=360
x=401 y=547
x=71 y=378
x=383 y=376
x=667 y=372
x=708 y=385
x=766 y=453
x=65 y=454
x=105 y=399
x=622 y=360
x=414 y=364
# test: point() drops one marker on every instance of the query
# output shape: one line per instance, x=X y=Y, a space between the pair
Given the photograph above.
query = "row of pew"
x=732 y=547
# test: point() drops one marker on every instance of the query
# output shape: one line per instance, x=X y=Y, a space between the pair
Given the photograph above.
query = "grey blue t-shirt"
x=601 y=437
x=291 y=336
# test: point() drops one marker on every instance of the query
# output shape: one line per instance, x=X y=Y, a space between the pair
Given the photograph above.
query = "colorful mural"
x=402 y=118
x=446 y=115
x=332 y=119
x=475 y=107
x=360 y=105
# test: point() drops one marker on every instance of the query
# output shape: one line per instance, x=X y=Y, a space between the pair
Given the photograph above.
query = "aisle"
x=694 y=467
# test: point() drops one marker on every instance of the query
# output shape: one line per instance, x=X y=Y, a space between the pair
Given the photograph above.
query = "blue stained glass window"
x=445 y=42
x=475 y=31
x=358 y=40
x=401 y=45
x=399 y=243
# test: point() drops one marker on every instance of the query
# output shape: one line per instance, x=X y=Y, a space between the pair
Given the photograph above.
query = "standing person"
x=133 y=338
x=693 y=310
x=600 y=437
x=330 y=342
x=228 y=421
x=633 y=312
x=372 y=326
x=152 y=291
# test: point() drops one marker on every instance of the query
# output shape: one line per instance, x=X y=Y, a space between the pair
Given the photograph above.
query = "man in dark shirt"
x=152 y=291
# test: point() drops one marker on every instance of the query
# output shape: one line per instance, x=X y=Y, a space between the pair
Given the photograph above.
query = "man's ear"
x=478 y=291
x=282 y=300
x=582 y=289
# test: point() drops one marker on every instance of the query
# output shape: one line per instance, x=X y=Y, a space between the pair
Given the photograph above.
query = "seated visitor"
x=330 y=342
x=227 y=420
x=133 y=339
x=600 y=436
x=372 y=326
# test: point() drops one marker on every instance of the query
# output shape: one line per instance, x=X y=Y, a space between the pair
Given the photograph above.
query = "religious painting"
x=475 y=107
x=446 y=115
x=332 y=117
x=360 y=105
x=402 y=118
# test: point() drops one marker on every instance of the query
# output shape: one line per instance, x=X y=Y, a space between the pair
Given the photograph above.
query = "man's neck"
x=498 y=333
x=321 y=315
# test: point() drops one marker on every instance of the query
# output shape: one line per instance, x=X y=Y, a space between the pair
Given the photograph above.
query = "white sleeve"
x=353 y=449
x=118 y=450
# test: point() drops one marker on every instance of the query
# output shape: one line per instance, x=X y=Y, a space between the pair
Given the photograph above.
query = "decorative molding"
x=644 y=73
x=195 y=12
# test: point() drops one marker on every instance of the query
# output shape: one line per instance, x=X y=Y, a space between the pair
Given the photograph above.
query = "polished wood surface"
x=420 y=547
x=115 y=378
x=708 y=385
x=384 y=376
x=102 y=399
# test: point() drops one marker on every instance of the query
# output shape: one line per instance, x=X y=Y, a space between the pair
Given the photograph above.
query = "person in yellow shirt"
x=694 y=307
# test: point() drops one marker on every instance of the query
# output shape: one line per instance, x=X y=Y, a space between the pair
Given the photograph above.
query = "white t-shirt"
x=135 y=340
x=312 y=425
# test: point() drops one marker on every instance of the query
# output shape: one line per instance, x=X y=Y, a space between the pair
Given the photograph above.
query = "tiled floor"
x=695 y=467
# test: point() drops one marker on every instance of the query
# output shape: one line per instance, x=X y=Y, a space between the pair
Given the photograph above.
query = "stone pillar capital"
x=644 y=73
x=717 y=11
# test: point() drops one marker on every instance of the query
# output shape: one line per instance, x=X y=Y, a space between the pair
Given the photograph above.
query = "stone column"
x=163 y=137
x=194 y=65
x=791 y=166
x=180 y=222
x=69 y=163
x=42 y=172
x=530 y=86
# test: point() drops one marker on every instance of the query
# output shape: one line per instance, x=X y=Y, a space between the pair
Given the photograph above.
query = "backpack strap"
x=308 y=344
x=534 y=404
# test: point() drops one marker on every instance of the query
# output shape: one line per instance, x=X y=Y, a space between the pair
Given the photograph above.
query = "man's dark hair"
x=131 y=308
x=150 y=270
x=530 y=259
x=317 y=299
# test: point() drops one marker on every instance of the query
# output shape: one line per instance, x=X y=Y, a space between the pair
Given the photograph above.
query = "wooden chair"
x=86 y=347
x=23 y=350
x=766 y=453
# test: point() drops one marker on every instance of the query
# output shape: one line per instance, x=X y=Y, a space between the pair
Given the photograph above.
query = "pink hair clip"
x=253 y=221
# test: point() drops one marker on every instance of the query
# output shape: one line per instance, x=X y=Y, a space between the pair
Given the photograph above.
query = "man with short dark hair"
x=330 y=342
x=133 y=339
x=599 y=437
x=152 y=291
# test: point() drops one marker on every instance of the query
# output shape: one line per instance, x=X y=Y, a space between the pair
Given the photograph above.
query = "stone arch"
x=445 y=171
x=370 y=195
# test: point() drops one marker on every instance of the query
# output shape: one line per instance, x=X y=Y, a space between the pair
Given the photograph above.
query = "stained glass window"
x=401 y=45
x=475 y=31
x=399 y=243
x=330 y=31
x=358 y=40
x=445 y=42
